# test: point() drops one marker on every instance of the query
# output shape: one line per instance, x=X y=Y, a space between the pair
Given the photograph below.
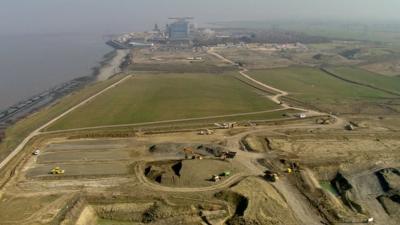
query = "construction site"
x=234 y=133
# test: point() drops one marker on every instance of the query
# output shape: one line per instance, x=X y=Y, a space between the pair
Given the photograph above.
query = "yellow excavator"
x=57 y=170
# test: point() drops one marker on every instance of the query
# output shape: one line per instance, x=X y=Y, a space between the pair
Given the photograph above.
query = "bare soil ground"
x=391 y=68
x=191 y=173
x=106 y=168
x=175 y=60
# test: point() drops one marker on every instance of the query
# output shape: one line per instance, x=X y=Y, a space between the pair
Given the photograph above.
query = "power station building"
x=180 y=29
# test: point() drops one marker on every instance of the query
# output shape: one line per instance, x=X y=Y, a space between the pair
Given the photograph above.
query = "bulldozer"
x=57 y=170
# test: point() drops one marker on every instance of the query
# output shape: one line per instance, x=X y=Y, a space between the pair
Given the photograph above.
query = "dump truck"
x=57 y=170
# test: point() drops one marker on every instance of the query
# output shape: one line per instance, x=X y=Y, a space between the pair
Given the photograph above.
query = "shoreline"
x=109 y=65
x=112 y=66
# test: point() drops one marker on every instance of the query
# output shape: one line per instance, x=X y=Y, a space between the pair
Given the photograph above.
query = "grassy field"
x=312 y=85
x=370 y=78
x=157 y=97
x=17 y=132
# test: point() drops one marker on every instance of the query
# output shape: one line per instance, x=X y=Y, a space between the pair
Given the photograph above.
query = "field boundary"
x=335 y=75
x=165 y=121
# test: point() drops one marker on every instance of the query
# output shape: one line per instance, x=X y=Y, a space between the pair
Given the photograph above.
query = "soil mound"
x=346 y=192
x=390 y=181
x=255 y=201
x=188 y=173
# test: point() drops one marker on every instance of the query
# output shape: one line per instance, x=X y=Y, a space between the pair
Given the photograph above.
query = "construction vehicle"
x=225 y=174
x=271 y=176
x=225 y=125
x=36 y=152
x=57 y=170
x=349 y=127
x=289 y=170
x=206 y=132
x=215 y=178
x=190 y=154
x=301 y=115
x=323 y=121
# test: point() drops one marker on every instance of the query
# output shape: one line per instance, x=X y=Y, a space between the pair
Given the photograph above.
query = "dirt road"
x=280 y=93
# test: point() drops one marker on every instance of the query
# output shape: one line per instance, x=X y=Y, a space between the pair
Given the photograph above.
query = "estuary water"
x=30 y=64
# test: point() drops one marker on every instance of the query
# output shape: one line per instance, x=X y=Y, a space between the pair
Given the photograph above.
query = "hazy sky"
x=110 y=16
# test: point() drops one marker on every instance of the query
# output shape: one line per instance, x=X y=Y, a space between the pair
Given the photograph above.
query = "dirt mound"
x=346 y=191
x=149 y=213
x=255 y=201
x=188 y=173
x=178 y=149
x=87 y=217
x=256 y=144
x=166 y=148
x=391 y=205
x=390 y=181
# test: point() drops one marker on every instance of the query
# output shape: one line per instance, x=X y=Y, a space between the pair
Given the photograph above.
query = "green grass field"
x=158 y=97
x=312 y=85
x=369 y=78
